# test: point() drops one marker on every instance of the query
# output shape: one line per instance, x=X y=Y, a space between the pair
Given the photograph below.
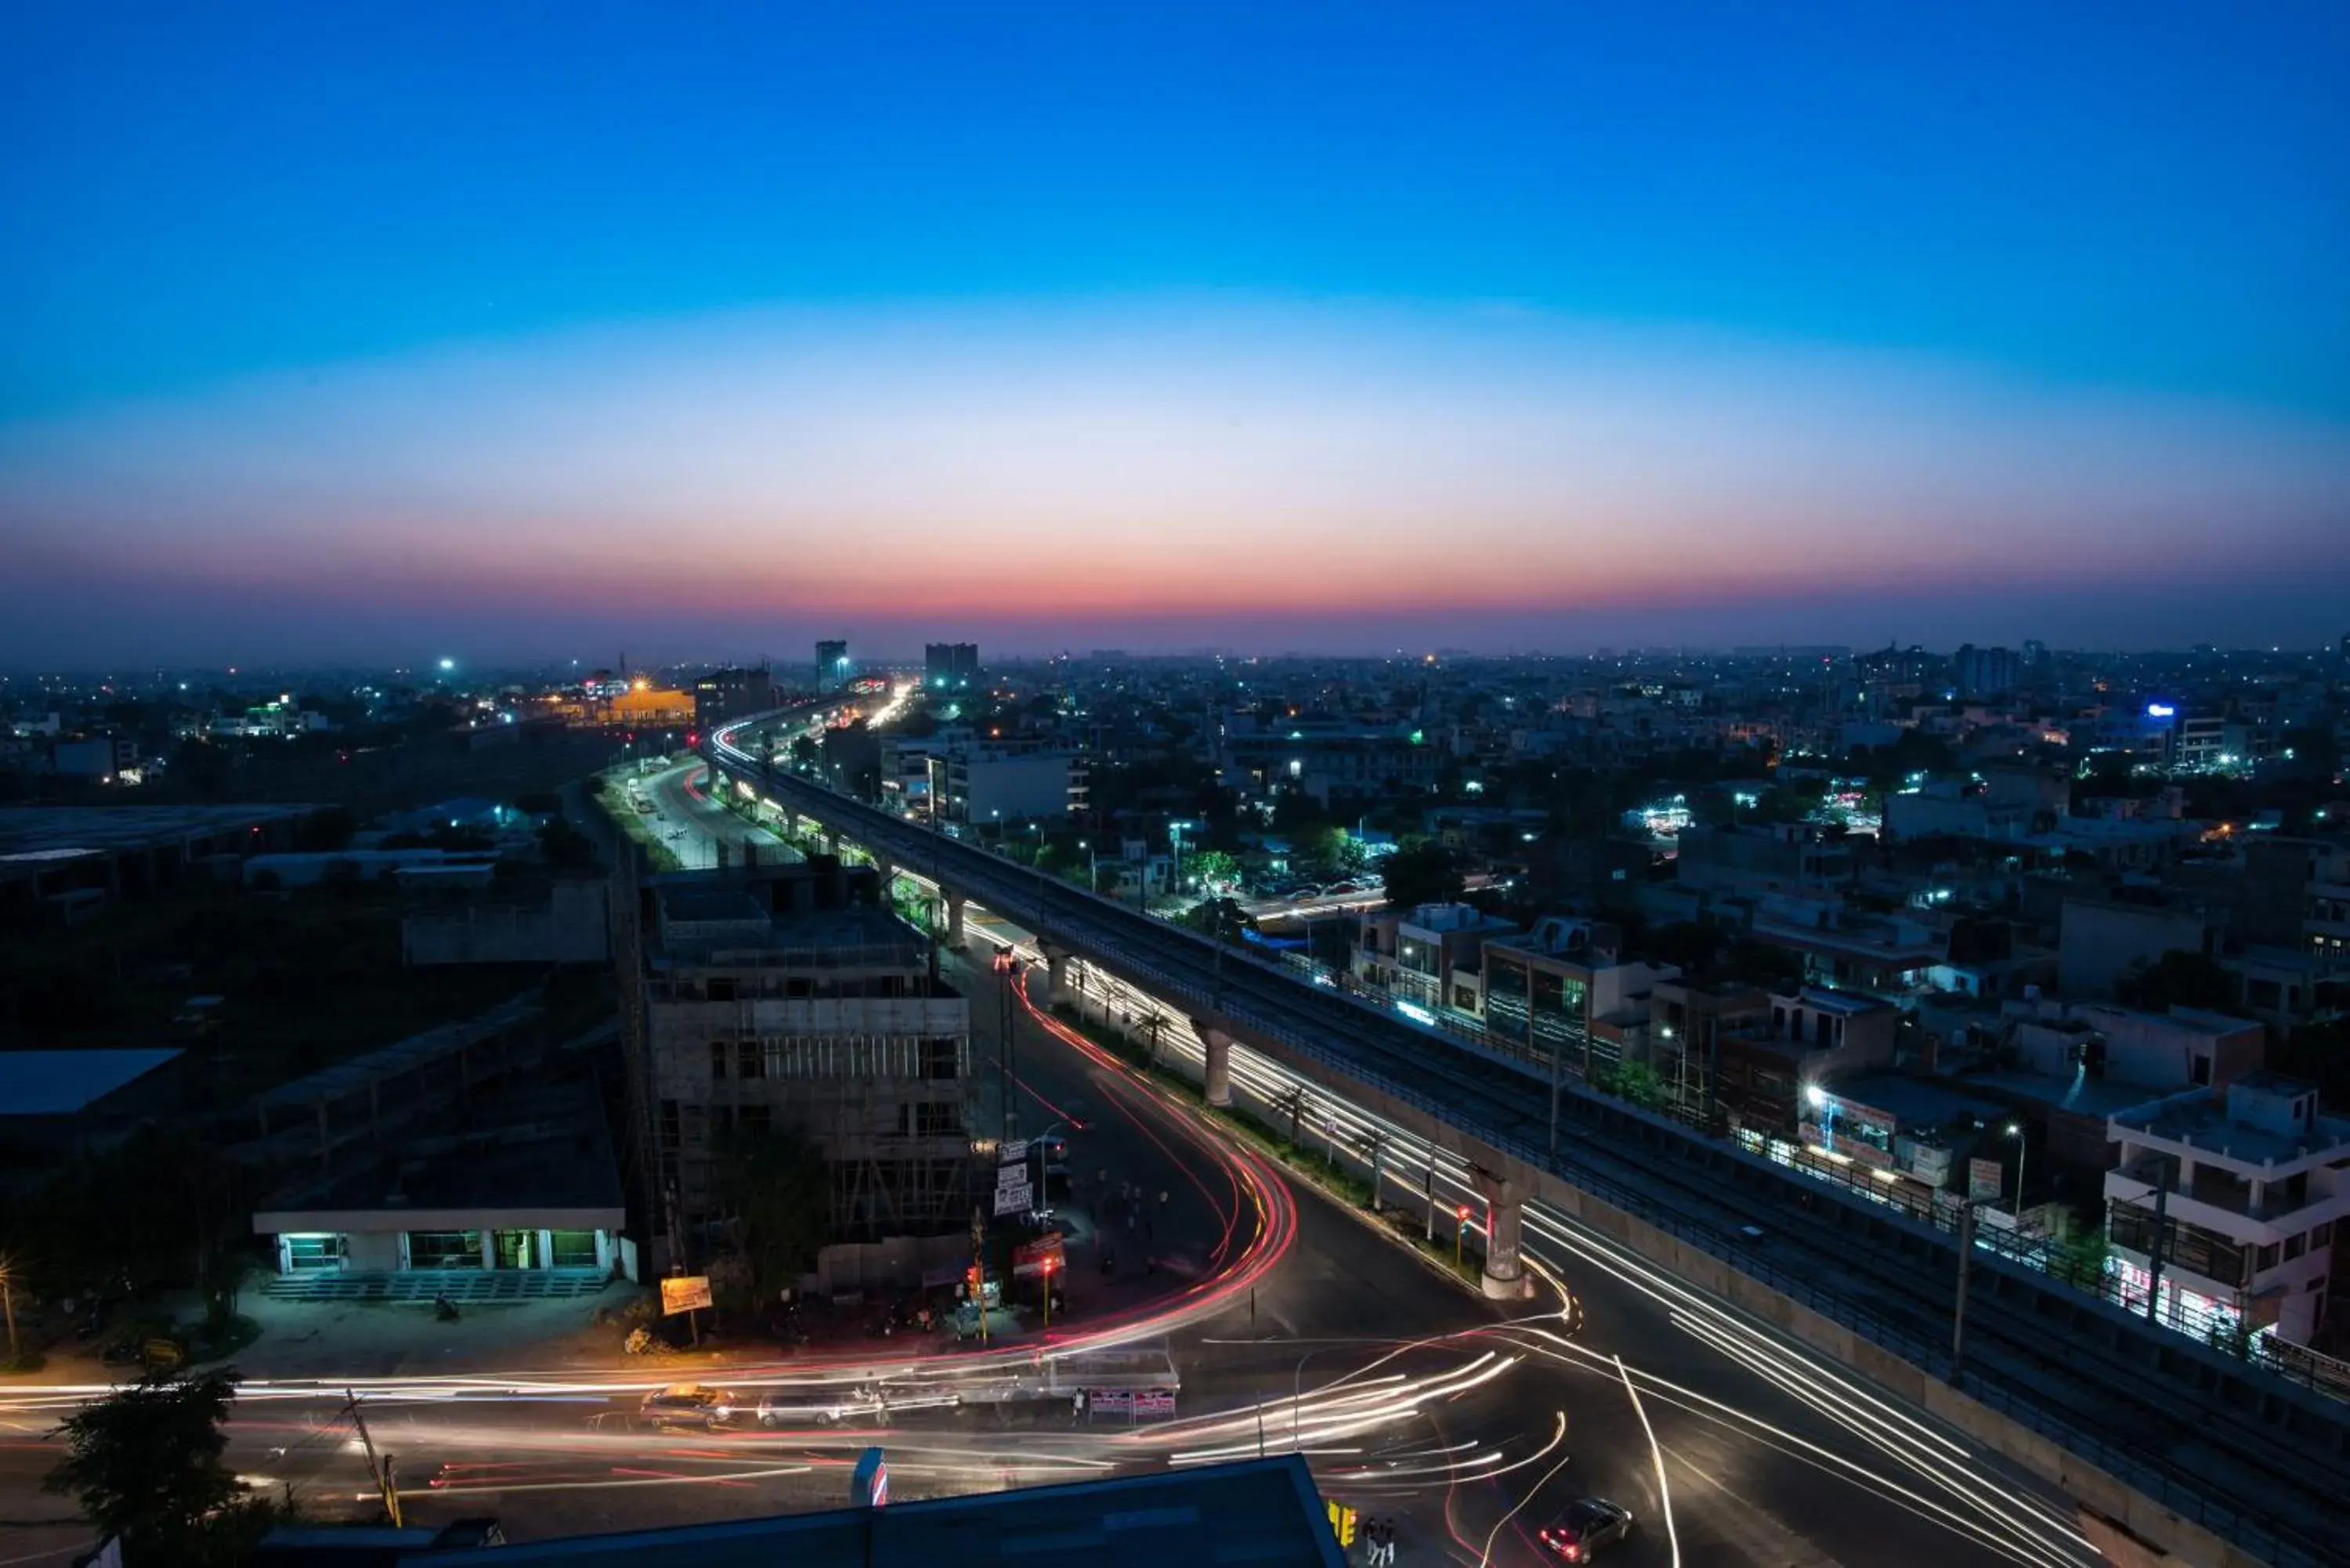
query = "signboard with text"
x=1012 y=1193
x=1985 y=1178
x=1041 y=1256
x=684 y=1292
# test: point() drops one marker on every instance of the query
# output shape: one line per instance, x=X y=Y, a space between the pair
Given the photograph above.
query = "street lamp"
x=2015 y=1131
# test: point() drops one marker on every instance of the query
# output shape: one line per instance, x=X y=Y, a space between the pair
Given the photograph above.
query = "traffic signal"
x=1342 y=1522
x=1461 y=1214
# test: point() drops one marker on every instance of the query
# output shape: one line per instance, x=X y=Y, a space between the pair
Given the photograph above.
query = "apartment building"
x=790 y=997
x=1770 y=1065
x=2234 y=1198
x=988 y=786
x=1545 y=989
x=1428 y=956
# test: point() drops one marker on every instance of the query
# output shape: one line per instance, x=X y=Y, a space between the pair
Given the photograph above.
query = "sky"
x=357 y=332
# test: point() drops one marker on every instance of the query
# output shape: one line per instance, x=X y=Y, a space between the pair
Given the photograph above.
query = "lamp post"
x=2015 y=1131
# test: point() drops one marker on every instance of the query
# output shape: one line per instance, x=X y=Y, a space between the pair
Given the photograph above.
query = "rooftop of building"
x=2215 y=1124
x=1253 y=1511
x=60 y=1083
x=543 y=1145
x=42 y=833
x=2077 y=1095
x=1918 y=1103
x=350 y=1077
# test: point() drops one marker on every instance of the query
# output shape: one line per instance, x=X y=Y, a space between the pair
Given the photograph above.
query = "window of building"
x=669 y=1124
x=444 y=1249
x=2294 y=1246
x=754 y=1121
x=571 y=1249
x=940 y=1057
x=936 y=1120
x=2199 y=1070
x=718 y=1058
x=314 y=1251
x=748 y=1062
x=695 y=1125
x=2322 y=1234
x=2267 y=1258
x=722 y=988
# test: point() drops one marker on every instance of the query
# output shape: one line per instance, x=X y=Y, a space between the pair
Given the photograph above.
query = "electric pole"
x=378 y=1469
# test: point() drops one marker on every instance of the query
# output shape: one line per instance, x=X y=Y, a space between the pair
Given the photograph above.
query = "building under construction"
x=789 y=997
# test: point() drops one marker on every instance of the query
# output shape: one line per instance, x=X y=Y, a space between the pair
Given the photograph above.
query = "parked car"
x=1588 y=1524
x=691 y=1405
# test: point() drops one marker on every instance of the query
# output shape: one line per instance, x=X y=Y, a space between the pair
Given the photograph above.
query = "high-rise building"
x=832 y=669
x=950 y=666
x=1983 y=671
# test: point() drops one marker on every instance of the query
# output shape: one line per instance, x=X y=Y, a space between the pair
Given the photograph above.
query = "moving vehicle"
x=691 y=1405
x=1588 y=1524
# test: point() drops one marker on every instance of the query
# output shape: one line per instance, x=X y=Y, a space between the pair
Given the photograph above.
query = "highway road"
x=1306 y=1324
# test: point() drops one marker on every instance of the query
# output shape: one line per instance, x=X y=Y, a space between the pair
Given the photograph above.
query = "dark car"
x=691 y=1405
x=1588 y=1524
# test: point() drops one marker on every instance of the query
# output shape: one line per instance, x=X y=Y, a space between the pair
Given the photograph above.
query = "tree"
x=145 y=1463
x=1423 y=873
x=1217 y=870
x=2179 y=978
x=779 y=1194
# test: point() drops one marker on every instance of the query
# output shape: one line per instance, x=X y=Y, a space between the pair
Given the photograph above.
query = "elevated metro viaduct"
x=2209 y=1459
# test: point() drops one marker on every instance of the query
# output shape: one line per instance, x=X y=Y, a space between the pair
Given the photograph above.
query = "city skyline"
x=1159 y=332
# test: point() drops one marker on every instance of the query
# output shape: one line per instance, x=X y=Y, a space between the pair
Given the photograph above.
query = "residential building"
x=987 y=785
x=1887 y=955
x=1810 y=1038
x=1545 y=989
x=1757 y=858
x=951 y=666
x=2099 y=939
x=790 y=996
x=2237 y=1195
x=1427 y=956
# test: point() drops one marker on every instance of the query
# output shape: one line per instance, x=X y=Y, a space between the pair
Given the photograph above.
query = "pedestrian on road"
x=1386 y=1542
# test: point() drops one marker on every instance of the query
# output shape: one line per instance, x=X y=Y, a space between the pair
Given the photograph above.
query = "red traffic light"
x=1462 y=1212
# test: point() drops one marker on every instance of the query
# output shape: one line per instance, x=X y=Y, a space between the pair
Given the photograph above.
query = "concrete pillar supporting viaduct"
x=954 y=919
x=1505 y=1269
x=1056 y=972
x=1218 y=1082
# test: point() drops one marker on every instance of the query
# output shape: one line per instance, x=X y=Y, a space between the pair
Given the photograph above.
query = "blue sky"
x=2146 y=208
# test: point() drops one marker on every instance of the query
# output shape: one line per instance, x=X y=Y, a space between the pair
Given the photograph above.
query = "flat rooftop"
x=543 y=1147
x=59 y=1083
x=2201 y=1120
x=31 y=834
x=1918 y=1103
x=1263 y=1511
x=2084 y=1097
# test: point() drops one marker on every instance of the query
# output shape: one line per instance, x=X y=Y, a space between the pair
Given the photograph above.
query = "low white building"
x=2250 y=1184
